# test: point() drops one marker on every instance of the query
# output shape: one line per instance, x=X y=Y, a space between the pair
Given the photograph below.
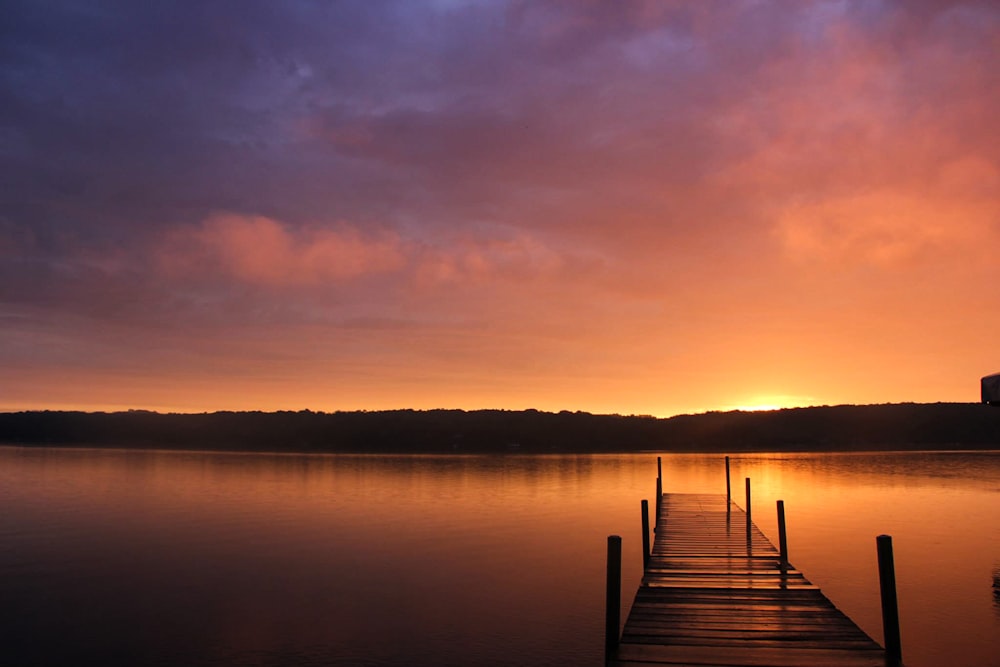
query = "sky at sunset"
x=630 y=207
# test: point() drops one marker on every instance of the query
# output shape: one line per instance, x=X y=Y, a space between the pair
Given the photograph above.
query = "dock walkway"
x=715 y=594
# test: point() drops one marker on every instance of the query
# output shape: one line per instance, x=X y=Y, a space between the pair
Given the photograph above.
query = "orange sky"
x=640 y=208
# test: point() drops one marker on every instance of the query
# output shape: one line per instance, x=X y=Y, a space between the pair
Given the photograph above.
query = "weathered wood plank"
x=748 y=621
x=646 y=654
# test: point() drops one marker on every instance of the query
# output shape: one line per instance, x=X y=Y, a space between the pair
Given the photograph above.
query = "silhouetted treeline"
x=837 y=428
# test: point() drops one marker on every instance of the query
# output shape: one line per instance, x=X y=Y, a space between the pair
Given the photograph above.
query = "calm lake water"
x=165 y=558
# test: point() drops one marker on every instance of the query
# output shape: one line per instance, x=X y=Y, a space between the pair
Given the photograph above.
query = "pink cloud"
x=881 y=228
x=848 y=161
x=260 y=250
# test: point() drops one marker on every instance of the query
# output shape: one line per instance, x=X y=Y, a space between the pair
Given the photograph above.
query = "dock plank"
x=715 y=595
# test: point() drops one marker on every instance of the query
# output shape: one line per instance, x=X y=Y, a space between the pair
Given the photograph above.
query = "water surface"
x=142 y=557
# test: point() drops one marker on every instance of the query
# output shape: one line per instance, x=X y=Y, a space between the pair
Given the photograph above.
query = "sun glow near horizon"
x=767 y=403
x=764 y=407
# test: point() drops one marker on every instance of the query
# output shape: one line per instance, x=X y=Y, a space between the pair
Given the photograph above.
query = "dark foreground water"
x=157 y=558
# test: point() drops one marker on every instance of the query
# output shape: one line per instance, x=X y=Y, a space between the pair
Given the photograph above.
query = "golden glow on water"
x=943 y=511
x=456 y=555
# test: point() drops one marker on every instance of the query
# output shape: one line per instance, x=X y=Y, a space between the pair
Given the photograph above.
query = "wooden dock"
x=716 y=593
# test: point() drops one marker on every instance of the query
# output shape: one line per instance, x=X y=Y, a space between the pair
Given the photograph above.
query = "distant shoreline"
x=471 y=454
x=888 y=427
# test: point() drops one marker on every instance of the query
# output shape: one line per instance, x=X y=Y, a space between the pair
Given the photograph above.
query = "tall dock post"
x=729 y=495
x=782 y=536
x=890 y=607
x=659 y=489
x=659 y=497
x=645 y=535
x=749 y=521
x=613 y=600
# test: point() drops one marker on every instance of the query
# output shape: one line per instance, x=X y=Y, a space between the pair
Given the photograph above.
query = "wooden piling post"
x=645 y=535
x=729 y=495
x=782 y=536
x=659 y=494
x=613 y=600
x=749 y=521
x=890 y=608
x=659 y=470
